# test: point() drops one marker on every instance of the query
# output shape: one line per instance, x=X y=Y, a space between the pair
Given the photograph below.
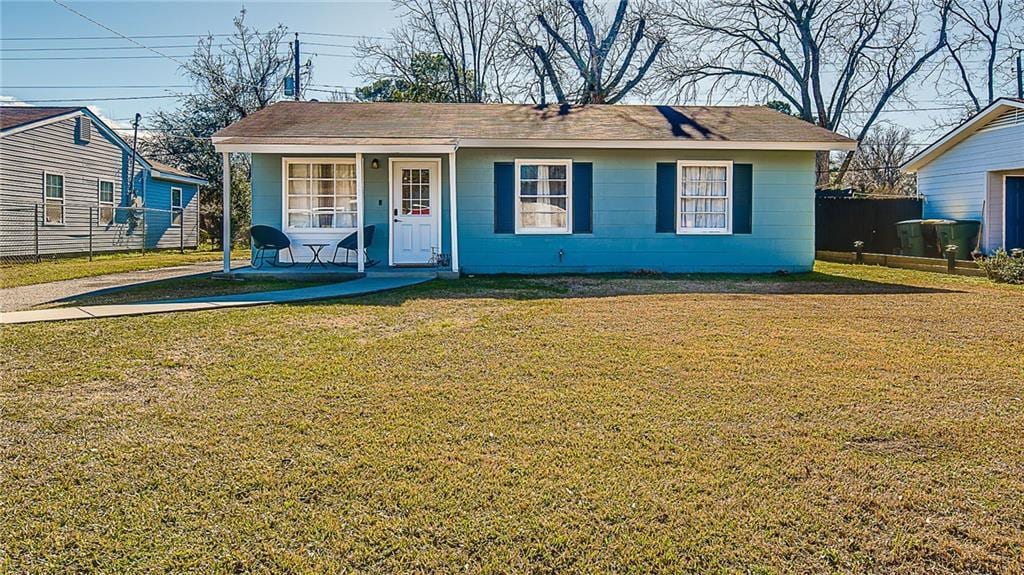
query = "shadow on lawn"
x=612 y=285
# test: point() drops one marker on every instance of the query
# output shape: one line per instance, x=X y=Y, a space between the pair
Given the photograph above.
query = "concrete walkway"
x=25 y=297
x=351 y=288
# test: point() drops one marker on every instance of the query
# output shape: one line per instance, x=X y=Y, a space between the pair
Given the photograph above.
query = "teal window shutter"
x=742 y=198
x=582 y=197
x=504 y=198
x=665 y=219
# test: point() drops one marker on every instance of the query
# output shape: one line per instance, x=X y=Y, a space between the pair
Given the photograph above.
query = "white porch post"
x=452 y=211
x=360 y=264
x=227 y=212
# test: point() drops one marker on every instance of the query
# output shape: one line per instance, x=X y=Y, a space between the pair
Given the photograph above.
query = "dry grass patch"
x=66 y=268
x=858 y=420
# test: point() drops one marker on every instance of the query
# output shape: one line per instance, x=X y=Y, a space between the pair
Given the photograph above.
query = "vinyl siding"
x=623 y=238
x=958 y=183
x=159 y=233
x=25 y=156
x=624 y=206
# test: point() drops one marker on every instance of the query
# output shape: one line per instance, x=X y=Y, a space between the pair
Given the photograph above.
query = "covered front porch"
x=394 y=202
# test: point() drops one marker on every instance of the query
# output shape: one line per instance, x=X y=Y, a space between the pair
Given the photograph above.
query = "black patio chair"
x=266 y=238
x=350 y=243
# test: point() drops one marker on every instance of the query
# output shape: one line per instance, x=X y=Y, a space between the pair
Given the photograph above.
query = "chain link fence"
x=31 y=232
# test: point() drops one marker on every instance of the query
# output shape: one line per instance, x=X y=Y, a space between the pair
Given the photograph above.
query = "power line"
x=336 y=55
x=357 y=36
x=87 y=48
x=44 y=58
x=119 y=36
x=102 y=99
x=166 y=36
x=109 y=29
x=304 y=43
x=131 y=86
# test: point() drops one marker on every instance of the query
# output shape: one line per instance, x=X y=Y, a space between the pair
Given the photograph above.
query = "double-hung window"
x=105 y=200
x=704 y=197
x=543 y=196
x=176 y=212
x=53 y=199
x=320 y=194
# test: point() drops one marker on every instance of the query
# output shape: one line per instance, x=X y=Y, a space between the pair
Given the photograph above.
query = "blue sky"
x=33 y=80
x=60 y=81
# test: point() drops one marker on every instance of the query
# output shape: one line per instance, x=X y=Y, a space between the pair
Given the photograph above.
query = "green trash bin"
x=929 y=229
x=911 y=238
x=961 y=233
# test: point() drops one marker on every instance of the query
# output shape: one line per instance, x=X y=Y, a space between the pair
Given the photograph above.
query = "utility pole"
x=297 y=66
x=1020 y=76
x=131 y=172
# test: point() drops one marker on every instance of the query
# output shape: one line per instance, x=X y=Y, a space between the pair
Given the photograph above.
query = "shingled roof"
x=170 y=170
x=14 y=116
x=483 y=124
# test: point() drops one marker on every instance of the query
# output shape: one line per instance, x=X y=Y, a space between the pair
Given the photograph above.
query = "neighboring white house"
x=976 y=172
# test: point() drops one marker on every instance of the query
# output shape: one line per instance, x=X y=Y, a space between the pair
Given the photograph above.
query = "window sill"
x=704 y=233
x=319 y=231
x=532 y=232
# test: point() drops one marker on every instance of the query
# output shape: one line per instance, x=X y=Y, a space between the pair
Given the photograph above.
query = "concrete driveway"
x=25 y=297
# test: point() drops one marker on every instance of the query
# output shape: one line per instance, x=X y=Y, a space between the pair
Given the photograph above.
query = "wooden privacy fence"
x=840 y=221
x=25 y=234
x=952 y=266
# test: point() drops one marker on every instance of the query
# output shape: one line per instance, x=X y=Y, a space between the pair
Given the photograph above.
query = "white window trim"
x=63 y=198
x=179 y=207
x=680 y=230
x=104 y=204
x=520 y=229
x=284 y=194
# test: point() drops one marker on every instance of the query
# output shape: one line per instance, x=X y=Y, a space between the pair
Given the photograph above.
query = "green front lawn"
x=188 y=287
x=856 y=420
x=22 y=274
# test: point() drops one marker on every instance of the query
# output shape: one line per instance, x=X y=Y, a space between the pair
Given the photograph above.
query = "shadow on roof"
x=683 y=125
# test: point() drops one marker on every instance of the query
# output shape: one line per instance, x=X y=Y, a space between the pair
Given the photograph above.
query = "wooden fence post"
x=858 y=248
x=951 y=259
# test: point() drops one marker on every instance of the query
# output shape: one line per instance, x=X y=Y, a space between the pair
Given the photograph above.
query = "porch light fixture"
x=375 y=163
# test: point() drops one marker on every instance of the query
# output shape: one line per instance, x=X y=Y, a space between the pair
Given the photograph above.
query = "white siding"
x=956 y=184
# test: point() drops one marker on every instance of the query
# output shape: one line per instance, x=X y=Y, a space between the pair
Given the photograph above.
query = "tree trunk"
x=843 y=168
x=822 y=170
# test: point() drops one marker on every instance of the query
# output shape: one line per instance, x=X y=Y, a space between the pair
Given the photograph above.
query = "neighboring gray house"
x=64 y=187
x=976 y=172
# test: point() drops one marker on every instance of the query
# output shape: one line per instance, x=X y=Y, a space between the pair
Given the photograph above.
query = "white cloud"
x=12 y=101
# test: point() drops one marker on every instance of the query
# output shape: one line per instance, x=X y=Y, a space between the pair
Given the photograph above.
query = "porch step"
x=401 y=273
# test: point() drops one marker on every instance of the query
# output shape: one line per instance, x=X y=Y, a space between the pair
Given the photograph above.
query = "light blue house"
x=64 y=188
x=488 y=188
x=976 y=172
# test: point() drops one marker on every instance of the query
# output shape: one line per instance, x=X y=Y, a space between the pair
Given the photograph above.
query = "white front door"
x=415 y=208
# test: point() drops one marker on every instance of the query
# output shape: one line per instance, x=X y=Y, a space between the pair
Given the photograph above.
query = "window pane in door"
x=415 y=192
